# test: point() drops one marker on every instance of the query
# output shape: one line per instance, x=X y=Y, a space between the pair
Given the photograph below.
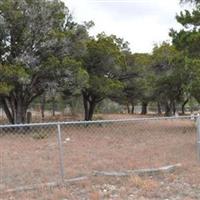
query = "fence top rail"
x=97 y=121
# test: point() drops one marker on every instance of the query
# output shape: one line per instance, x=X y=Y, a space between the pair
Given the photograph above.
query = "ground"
x=30 y=156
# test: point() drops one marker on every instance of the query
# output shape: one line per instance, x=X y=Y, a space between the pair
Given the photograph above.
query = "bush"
x=40 y=135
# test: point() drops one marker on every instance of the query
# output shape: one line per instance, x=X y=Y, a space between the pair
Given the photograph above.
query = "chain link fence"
x=50 y=154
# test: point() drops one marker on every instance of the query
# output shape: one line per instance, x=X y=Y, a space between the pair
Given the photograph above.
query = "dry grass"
x=144 y=184
x=27 y=160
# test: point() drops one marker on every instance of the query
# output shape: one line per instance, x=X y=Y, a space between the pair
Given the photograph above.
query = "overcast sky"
x=141 y=22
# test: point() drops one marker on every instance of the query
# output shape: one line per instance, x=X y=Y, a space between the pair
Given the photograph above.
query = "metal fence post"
x=198 y=137
x=61 y=158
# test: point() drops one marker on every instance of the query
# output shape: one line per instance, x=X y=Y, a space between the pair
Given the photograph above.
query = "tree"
x=190 y=1
x=79 y=39
x=187 y=40
x=193 y=86
x=137 y=86
x=35 y=38
x=104 y=63
x=144 y=81
x=171 y=76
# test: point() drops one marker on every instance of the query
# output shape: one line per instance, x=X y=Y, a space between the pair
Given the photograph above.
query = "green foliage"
x=137 y=85
x=103 y=63
x=193 y=66
x=43 y=51
x=4 y=88
x=171 y=76
x=40 y=135
x=188 y=41
x=190 y=1
x=36 y=42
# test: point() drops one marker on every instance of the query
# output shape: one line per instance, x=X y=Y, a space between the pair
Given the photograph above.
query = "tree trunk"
x=128 y=108
x=16 y=104
x=21 y=113
x=86 y=109
x=89 y=103
x=144 y=108
x=7 y=111
x=15 y=107
x=159 y=108
x=89 y=109
x=92 y=106
x=183 y=106
x=42 y=107
x=132 y=109
x=53 y=107
x=15 y=111
x=173 y=107
x=168 y=111
x=29 y=117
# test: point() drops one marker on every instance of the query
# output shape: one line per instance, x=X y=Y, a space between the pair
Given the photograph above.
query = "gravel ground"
x=173 y=186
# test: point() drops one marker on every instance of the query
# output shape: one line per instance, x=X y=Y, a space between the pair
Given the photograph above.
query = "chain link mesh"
x=46 y=155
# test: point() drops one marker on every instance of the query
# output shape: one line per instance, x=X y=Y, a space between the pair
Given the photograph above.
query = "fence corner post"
x=61 y=158
x=198 y=137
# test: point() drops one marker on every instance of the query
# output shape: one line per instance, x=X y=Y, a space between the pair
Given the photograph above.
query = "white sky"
x=140 y=22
